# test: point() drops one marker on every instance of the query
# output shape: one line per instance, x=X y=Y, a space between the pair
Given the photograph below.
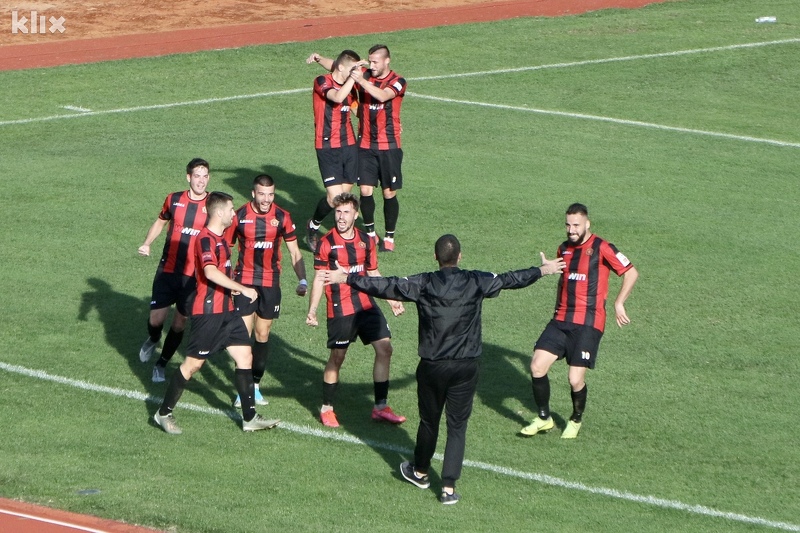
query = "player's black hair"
x=447 y=249
x=264 y=180
x=197 y=162
x=346 y=198
x=215 y=200
x=346 y=55
x=380 y=47
x=578 y=209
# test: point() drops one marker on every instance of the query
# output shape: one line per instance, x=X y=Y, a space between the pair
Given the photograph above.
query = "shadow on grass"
x=124 y=320
x=505 y=378
x=300 y=376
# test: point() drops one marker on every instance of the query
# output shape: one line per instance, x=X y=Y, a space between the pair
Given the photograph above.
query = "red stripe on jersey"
x=379 y=124
x=186 y=218
x=259 y=237
x=332 y=125
x=355 y=255
x=210 y=298
x=583 y=286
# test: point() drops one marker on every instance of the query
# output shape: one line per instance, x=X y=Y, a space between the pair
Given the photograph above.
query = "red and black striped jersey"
x=332 y=125
x=210 y=298
x=583 y=286
x=355 y=255
x=259 y=237
x=186 y=218
x=379 y=125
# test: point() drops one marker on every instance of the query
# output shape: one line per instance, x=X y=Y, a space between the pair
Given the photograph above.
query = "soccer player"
x=351 y=314
x=449 y=304
x=259 y=226
x=380 y=155
x=185 y=214
x=334 y=139
x=577 y=326
x=214 y=324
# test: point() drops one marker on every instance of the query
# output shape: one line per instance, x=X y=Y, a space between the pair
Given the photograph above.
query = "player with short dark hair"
x=259 y=226
x=334 y=139
x=214 y=324
x=351 y=314
x=579 y=320
x=449 y=304
x=184 y=214
x=380 y=155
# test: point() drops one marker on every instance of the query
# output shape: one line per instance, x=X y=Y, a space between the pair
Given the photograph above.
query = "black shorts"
x=338 y=166
x=577 y=343
x=171 y=289
x=369 y=326
x=381 y=166
x=212 y=333
x=267 y=305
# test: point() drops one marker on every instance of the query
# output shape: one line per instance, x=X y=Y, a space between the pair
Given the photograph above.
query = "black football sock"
x=541 y=395
x=174 y=391
x=171 y=344
x=381 y=392
x=368 y=212
x=260 y=356
x=247 y=392
x=391 y=211
x=153 y=331
x=322 y=210
x=329 y=392
x=578 y=403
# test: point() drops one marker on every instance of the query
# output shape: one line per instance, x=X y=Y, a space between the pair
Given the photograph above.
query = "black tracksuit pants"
x=444 y=385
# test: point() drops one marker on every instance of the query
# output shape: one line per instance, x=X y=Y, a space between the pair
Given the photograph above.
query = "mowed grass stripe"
x=347 y=438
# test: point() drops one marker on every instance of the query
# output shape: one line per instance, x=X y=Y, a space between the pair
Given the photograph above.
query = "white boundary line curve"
x=345 y=437
x=54 y=522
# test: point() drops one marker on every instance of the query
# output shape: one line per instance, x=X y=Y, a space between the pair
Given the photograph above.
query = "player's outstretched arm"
x=628 y=281
x=324 y=62
x=554 y=266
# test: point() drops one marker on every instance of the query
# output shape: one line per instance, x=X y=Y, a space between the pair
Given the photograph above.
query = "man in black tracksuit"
x=449 y=303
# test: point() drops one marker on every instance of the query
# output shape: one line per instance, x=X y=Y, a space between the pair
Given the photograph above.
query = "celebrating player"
x=214 y=324
x=259 y=226
x=350 y=313
x=334 y=139
x=185 y=212
x=577 y=326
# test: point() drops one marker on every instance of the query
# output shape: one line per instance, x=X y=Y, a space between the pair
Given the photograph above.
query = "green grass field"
x=683 y=144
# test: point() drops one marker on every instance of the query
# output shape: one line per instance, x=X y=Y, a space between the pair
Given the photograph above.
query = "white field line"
x=612 y=59
x=613 y=120
x=344 y=437
x=54 y=522
x=76 y=108
x=206 y=101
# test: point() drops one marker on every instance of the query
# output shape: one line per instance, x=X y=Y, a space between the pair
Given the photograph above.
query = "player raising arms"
x=350 y=313
x=214 y=324
x=334 y=139
x=259 y=226
x=577 y=326
x=185 y=214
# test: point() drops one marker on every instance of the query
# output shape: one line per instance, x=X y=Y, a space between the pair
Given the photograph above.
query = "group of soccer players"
x=228 y=305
